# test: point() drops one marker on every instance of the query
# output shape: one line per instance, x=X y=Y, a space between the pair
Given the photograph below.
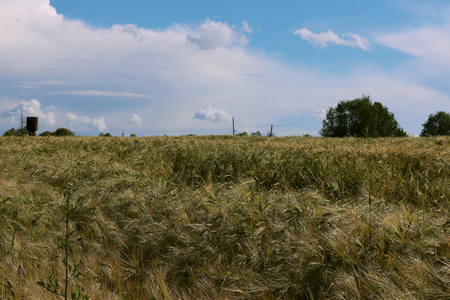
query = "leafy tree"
x=133 y=135
x=16 y=132
x=63 y=132
x=46 y=133
x=361 y=118
x=256 y=133
x=11 y=132
x=437 y=124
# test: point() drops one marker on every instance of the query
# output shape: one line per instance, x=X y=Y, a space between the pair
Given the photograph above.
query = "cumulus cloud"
x=163 y=73
x=130 y=29
x=212 y=114
x=32 y=108
x=324 y=39
x=136 y=120
x=50 y=117
x=211 y=35
x=98 y=123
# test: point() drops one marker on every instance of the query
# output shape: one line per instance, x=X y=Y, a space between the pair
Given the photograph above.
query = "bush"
x=63 y=132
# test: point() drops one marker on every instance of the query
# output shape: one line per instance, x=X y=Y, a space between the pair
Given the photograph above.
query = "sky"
x=178 y=67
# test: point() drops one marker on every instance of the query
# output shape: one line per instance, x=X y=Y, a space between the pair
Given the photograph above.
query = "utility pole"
x=233 y=125
x=271 y=130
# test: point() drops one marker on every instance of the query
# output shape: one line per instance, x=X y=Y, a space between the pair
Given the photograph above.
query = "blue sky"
x=181 y=67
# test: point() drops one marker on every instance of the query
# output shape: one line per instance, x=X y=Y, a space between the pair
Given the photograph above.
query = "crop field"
x=224 y=217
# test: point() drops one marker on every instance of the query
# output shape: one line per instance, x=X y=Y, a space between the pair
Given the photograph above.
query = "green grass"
x=228 y=217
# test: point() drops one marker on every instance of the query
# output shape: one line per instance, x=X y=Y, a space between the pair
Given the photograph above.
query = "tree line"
x=350 y=118
x=58 y=132
x=23 y=131
x=363 y=118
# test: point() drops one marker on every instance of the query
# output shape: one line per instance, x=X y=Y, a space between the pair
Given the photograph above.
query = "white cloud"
x=50 y=117
x=430 y=43
x=31 y=108
x=247 y=28
x=323 y=39
x=100 y=93
x=165 y=74
x=47 y=83
x=75 y=119
x=136 y=120
x=98 y=123
x=212 y=114
x=321 y=115
x=211 y=35
x=131 y=29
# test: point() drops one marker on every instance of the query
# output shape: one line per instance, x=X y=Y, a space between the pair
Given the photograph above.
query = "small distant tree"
x=133 y=135
x=361 y=118
x=243 y=134
x=63 y=132
x=437 y=124
x=46 y=133
x=16 y=132
x=256 y=133
x=11 y=132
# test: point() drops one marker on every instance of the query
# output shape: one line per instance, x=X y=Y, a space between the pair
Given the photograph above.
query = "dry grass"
x=228 y=217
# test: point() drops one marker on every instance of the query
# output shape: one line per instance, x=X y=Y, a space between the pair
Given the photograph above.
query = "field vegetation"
x=223 y=217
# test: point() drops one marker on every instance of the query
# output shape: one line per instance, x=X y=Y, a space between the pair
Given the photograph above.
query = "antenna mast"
x=22 y=122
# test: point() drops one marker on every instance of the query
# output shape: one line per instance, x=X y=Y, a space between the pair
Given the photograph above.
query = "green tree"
x=437 y=124
x=63 y=132
x=46 y=133
x=16 y=132
x=361 y=118
x=11 y=132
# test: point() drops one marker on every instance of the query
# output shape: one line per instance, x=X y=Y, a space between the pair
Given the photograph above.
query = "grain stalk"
x=53 y=284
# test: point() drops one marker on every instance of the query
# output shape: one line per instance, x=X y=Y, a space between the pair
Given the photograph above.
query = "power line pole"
x=271 y=130
x=233 y=125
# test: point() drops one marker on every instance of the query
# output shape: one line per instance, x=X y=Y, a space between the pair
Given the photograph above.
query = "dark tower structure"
x=32 y=125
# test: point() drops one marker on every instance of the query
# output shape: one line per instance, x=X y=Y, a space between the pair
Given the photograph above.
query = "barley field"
x=225 y=217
